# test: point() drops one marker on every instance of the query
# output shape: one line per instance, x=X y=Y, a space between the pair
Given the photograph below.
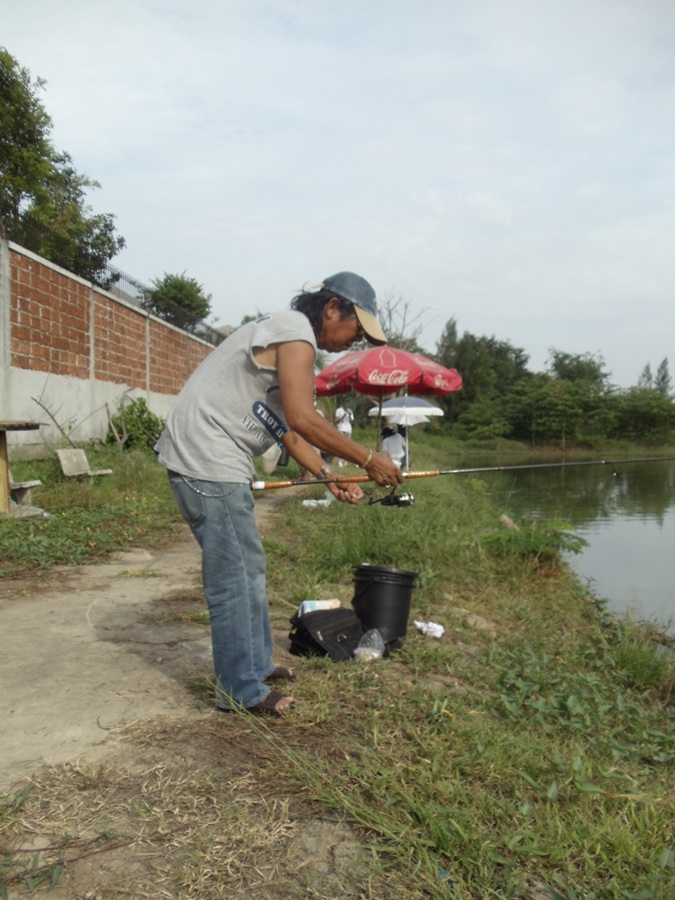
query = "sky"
x=506 y=163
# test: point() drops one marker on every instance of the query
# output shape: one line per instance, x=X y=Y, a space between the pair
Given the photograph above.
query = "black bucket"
x=382 y=599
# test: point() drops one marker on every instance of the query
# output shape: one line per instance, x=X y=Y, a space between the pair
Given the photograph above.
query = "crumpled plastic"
x=313 y=504
x=433 y=629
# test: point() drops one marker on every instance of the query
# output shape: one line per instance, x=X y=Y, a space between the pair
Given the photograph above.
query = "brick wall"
x=79 y=349
x=63 y=325
x=173 y=359
x=120 y=343
x=49 y=319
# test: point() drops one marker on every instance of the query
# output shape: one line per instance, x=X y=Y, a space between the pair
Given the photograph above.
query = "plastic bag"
x=371 y=646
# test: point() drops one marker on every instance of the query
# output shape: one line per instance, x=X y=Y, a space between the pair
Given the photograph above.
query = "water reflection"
x=627 y=515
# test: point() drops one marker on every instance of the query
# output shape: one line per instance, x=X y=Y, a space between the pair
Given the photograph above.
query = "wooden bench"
x=21 y=491
x=5 y=480
x=74 y=463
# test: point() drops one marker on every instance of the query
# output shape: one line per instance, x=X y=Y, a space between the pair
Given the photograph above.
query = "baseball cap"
x=358 y=290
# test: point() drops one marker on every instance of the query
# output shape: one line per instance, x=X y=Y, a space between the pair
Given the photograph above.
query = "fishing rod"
x=356 y=479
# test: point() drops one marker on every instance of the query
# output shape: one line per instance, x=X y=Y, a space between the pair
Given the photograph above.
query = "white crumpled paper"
x=433 y=629
x=313 y=504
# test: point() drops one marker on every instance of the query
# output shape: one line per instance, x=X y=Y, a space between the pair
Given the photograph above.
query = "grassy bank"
x=530 y=749
x=527 y=754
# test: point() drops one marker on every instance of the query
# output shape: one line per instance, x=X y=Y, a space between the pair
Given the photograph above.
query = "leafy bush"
x=135 y=425
x=544 y=542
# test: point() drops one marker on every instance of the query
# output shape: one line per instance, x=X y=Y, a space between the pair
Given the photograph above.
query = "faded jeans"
x=220 y=516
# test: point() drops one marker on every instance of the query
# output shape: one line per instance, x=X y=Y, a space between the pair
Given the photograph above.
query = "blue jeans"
x=220 y=516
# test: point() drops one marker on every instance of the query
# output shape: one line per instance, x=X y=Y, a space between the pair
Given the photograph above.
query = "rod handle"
x=270 y=485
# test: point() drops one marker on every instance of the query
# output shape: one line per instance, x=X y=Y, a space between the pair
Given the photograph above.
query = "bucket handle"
x=366 y=587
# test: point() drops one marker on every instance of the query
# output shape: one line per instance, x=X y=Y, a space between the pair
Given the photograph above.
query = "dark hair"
x=313 y=303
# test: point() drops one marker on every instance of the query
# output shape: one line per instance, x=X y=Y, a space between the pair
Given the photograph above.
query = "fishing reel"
x=393 y=499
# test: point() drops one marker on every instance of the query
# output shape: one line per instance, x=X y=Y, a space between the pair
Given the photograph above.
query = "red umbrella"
x=386 y=370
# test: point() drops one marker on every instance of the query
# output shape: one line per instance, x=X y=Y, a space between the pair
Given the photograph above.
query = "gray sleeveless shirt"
x=230 y=408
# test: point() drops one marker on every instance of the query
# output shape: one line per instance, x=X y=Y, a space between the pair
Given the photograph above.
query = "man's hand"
x=384 y=470
x=345 y=493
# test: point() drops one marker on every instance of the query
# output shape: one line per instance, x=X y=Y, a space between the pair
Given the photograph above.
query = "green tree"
x=646 y=379
x=523 y=408
x=562 y=411
x=25 y=151
x=490 y=368
x=446 y=355
x=644 y=415
x=662 y=381
x=581 y=397
x=60 y=226
x=586 y=367
x=179 y=300
x=42 y=196
x=484 y=420
x=448 y=344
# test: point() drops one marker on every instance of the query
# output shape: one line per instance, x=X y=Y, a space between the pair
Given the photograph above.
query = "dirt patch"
x=79 y=657
x=179 y=810
x=115 y=763
x=85 y=650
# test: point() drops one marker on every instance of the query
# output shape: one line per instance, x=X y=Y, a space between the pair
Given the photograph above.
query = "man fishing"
x=255 y=389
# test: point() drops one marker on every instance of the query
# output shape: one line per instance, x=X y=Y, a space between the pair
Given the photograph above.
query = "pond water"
x=627 y=515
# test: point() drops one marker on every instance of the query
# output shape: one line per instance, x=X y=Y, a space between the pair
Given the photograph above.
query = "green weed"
x=89 y=518
x=640 y=660
x=137 y=423
x=544 y=543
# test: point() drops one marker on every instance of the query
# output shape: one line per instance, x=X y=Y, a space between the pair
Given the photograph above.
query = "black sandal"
x=281 y=673
x=268 y=706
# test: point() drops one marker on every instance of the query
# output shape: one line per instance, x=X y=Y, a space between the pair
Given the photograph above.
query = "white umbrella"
x=407 y=419
x=406 y=411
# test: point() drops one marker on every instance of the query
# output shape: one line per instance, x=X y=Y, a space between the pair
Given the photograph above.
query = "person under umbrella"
x=344 y=419
x=393 y=445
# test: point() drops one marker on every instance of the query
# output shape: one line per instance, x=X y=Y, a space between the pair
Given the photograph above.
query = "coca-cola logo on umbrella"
x=385 y=370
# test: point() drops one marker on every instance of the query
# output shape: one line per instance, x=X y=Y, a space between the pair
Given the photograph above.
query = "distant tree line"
x=573 y=402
